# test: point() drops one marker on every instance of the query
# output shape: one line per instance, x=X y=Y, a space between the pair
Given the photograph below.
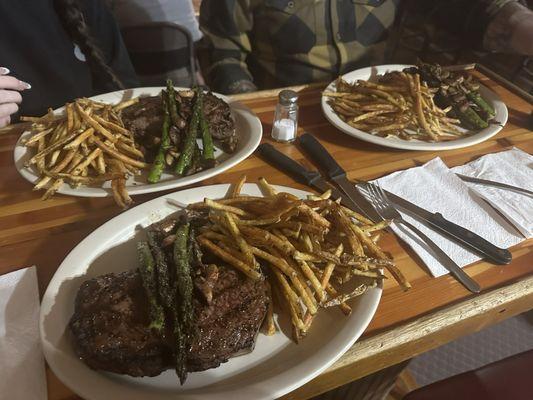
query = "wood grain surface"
x=33 y=232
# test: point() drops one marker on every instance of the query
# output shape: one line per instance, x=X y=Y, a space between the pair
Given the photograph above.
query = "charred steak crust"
x=230 y=324
x=145 y=120
x=110 y=324
x=110 y=327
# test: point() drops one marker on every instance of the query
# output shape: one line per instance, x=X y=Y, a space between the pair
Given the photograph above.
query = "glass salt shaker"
x=285 y=124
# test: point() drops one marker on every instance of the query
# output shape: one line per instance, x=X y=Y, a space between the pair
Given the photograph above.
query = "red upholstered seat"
x=508 y=379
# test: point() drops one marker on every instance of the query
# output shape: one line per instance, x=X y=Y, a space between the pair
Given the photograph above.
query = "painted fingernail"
x=4 y=71
x=25 y=84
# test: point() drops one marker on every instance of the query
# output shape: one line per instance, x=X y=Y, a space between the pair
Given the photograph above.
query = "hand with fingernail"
x=10 y=97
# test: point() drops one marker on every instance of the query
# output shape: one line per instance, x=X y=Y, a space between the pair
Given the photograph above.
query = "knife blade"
x=335 y=173
x=302 y=175
x=495 y=184
x=457 y=233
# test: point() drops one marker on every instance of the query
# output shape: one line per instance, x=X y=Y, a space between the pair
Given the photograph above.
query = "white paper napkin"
x=435 y=188
x=22 y=375
x=514 y=167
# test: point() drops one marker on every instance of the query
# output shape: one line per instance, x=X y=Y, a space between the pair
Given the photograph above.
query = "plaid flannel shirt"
x=275 y=43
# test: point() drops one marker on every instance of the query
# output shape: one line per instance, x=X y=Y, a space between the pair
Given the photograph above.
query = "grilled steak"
x=145 y=120
x=229 y=325
x=110 y=327
x=110 y=323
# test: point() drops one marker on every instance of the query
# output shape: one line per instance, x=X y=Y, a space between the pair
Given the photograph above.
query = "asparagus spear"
x=190 y=139
x=163 y=274
x=147 y=271
x=183 y=320
x=186 y=291
x=481 y=103
x=172 y=105
x=159 y=162
x=469 y=118
x=208 y=153
x=181 y=349
x=195 y=161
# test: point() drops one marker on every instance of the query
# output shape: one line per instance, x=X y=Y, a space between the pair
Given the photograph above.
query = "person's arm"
x=470 y=20
x=511 y=30
x=225 y=24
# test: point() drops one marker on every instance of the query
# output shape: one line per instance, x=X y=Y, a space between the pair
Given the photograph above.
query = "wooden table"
x=435 y=311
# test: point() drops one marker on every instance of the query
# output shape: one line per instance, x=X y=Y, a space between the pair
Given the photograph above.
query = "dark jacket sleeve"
x=105 y=30
x=225 y=24
x=467 y=19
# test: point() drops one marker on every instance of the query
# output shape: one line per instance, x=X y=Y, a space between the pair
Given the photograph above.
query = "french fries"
x=87 y=145
x=398 y=105
x=307 y=249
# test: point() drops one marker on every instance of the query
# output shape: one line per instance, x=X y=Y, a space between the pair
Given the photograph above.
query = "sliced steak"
x=110 y=323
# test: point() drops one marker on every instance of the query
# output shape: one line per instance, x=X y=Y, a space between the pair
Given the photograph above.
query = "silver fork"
x=386 y=210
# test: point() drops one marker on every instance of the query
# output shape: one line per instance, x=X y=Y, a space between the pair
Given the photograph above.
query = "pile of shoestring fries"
x=310 y=249
x=87 y=145
x=396 y=105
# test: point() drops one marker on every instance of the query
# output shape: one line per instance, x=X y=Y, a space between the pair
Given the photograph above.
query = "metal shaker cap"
x=288 y=97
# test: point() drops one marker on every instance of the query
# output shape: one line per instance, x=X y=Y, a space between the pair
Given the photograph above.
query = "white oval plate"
x=397 y=143
x=248 y=128
x=275 y=367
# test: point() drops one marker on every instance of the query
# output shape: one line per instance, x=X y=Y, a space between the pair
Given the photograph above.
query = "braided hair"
x=71 y=17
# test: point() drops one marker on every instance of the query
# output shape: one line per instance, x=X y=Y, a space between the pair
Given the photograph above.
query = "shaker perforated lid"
x=288 y=97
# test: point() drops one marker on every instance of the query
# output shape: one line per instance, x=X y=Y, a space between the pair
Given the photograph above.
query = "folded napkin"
x=514 y=167
x=21 y=359
x=435 y=188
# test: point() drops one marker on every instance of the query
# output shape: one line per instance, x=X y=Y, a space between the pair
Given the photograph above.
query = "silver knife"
x=495 y=184
x=335 y=172
x=457 y=233
x=453 y=231
x=303 y=175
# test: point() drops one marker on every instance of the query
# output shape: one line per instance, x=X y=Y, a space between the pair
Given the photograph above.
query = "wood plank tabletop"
x=434 y=311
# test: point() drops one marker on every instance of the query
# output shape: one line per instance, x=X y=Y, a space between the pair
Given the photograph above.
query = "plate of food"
x=424 y=107
x=135 y=141
x=242 y=292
